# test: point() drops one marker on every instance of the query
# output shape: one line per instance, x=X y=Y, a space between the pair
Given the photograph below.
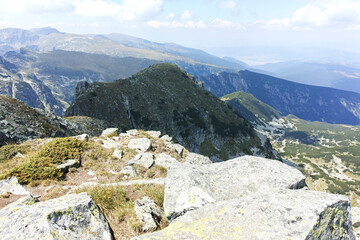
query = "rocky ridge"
x=252 y=196
x=165 y=98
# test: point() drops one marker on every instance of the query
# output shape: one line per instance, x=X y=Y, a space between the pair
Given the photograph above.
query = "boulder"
x=109 y=131
x=73 y=216
x=129 y=171
x=195 y=158
x=11 y=185
x=69 y=163
x=249 y=198
x=164 y=160
x=118 y=153
x=82 y=137
x=141 y=144
x=166 y=138
x=225 y=180
x=148 y=213
x=154 y=134
x=176 y=147
x=109 y=143
x=146 y=160
x=283 y=214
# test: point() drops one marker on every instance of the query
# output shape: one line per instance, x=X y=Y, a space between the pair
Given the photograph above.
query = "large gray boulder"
x=280 y=215
x=249 y=198
x=74 y=216
x=191 y=186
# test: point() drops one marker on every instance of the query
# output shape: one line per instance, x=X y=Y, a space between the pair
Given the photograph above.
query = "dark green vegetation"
x=250 y=107
x=42 y=165
x=304 y=101
x=329 y=154
x=164 y=97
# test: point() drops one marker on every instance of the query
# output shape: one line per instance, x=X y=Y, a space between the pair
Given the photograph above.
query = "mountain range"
x=44 y=66
x=319 y=74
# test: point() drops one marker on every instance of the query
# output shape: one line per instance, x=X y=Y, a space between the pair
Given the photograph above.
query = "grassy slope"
x=329 y=154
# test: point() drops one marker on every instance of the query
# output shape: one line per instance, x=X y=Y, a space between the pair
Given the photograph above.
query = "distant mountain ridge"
x=119 y=45
x=319 y=74
x=305 y=101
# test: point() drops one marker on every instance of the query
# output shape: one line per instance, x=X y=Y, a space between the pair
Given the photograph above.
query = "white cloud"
x=228 y=4
x=171 y=16
x=126 y=10
x=186 y=15
x=221 y=23
x=177 y=24
x=320 y=13
x=36 y=6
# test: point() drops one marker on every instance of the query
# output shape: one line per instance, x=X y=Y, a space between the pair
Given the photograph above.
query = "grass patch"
x=42 y=165
x=117 y=203
x=7 y=152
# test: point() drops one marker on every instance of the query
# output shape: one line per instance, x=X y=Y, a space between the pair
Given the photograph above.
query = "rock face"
x=74 y=216
x=249 y=198
x=19 y=122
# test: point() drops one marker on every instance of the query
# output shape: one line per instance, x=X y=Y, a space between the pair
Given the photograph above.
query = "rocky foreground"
x=244 y=198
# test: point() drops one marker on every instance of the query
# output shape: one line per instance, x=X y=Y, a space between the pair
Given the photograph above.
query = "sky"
x=255 y=31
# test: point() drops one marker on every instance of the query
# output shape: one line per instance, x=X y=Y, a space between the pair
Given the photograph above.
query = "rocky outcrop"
x=249 y=198
x=19 y=122
x=74 y=216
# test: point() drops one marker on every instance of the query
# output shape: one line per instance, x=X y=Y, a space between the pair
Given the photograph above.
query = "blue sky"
x=252 y=30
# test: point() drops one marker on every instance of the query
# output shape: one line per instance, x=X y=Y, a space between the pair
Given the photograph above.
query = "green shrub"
x=9 y=151
x=42 y=165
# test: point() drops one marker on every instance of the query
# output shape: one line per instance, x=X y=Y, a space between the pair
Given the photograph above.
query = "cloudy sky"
x=252 y=30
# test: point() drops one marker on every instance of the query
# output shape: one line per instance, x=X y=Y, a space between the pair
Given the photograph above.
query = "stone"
x=166 y=138
x=132 y=132
x=135 y=159
x=146 y=160
x=82 y=137
x=129 y=171
x=69 y=163
x=73 y=216
x=249 y=198
x=164 y=160
x=283 y=214
x=195 y=158
x=148 y=213
x=141 y=144
x=109 y=131
x=11 y=185
x=225 y=180
x=154 y=134
x=118 y=153
x=176 y=147
x=109 y=143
